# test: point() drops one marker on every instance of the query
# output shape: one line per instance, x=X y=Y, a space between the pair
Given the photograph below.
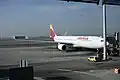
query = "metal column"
x=104 y=33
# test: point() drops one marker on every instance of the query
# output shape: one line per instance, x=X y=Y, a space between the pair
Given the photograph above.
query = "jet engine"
x=62 y=47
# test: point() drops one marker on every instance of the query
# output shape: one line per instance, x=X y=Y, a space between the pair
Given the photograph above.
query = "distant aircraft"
x=66 y=42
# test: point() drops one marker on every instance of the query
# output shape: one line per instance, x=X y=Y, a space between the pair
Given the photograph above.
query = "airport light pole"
x=104 y=33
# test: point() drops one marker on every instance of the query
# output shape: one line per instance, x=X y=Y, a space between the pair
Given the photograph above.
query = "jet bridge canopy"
x=86 y=1
x=111 y=2
x=108 y=2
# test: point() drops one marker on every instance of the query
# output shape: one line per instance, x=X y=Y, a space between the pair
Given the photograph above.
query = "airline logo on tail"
x=52 y=32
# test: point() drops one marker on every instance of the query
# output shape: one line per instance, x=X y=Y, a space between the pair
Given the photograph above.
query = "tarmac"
x=51 y=64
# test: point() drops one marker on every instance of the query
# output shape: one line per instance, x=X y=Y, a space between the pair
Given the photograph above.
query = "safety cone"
x=116 y=70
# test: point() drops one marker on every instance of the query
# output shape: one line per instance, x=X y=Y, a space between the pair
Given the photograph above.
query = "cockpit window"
x=101 y=40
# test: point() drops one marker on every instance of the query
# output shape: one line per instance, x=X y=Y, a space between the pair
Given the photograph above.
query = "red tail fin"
x=52 y=32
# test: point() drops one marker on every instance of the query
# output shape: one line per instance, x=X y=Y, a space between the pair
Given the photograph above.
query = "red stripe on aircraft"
x=83 y=38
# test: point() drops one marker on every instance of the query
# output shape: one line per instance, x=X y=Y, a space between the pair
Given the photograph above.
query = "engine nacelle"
x=62 y=47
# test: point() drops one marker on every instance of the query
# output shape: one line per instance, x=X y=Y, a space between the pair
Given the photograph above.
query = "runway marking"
x=38 y=78
x=84 y=73
x=91 y=74
x=64 y=70
x=76 y=72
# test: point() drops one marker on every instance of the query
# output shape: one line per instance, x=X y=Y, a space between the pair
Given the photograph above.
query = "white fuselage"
x=81 y=41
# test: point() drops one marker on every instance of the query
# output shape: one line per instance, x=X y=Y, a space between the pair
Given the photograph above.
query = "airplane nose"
x=107 y=43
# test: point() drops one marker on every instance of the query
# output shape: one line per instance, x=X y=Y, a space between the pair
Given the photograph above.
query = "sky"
x=32 y=18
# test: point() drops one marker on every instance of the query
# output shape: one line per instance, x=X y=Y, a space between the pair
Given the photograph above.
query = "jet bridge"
x=112 y=49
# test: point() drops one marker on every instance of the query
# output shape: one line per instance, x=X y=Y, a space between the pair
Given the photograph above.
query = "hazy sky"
x=32 y=17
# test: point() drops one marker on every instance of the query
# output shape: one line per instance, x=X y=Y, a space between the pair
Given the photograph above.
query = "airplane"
x=66 y=42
